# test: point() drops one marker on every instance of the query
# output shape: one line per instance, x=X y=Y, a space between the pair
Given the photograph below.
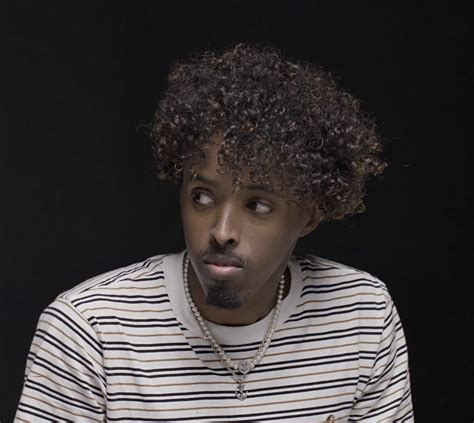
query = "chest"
x=302 y=377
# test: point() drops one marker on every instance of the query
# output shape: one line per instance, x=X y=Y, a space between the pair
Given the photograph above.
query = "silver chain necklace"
x=238 y=370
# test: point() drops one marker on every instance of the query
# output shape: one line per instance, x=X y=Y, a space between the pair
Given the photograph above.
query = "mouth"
x=220 y=271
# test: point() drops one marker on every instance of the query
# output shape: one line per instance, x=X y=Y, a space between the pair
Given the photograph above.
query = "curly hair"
x=276 y=118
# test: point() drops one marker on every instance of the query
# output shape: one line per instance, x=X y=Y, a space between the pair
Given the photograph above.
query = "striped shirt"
x=124 y=346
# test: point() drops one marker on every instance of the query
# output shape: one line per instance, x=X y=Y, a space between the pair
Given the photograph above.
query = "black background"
x=78 y=196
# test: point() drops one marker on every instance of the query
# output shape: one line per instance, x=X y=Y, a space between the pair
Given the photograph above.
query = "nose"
x=225 y=226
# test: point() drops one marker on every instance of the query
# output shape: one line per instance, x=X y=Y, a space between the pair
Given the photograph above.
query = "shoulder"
x=329 y=281
x=122 y=288
x=319 y=268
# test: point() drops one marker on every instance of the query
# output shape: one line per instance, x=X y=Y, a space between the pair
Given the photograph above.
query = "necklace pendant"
x=240 y=392
x=244 y=367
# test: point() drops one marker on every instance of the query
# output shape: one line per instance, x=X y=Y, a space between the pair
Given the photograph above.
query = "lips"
x=223 y=261
x=223 y=267
x=222 y=272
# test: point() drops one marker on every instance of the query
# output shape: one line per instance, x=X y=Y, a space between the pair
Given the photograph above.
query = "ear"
x=313 y=217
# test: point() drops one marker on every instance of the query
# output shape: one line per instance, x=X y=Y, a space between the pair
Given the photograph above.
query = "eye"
x=201 y=198
x=259 y=207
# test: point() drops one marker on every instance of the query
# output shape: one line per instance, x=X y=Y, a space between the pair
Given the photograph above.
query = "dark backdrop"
x=78 y=196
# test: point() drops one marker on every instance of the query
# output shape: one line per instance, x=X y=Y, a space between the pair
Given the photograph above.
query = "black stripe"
x=274 y=365
x=127 y=325
x=371 y=283
x=65 y=375
x=61 y=397
x=71 y=324
x=208 y=350
x=309 y=314
x=400 y=350
x=223 y=371
x=394 y=380
x=311 y=268
x=31 y=413
x=275 y=341
x=205 y=348
x=131 y=319
x=383 y=409
x=387 y=369
x=109 y=300
x=66 y=350
x=108 y=344
x=231 y=395
x=188 y=349
x=115 y=278
x=339 y=307
x=228 y=394
x=107 y=296
x=318 y=410
x=337 y=289
x=407 y=416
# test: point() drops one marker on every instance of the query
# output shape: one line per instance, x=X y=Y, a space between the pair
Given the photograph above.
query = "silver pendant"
x=244 y=367
x=240 y=392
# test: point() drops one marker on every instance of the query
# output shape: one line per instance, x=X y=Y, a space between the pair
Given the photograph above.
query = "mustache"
x=223 y=256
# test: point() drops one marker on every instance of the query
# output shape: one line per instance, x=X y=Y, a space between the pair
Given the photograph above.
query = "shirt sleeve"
x=64 y=377
x=387 y=394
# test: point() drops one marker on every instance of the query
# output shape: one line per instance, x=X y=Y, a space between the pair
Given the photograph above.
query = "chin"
x=224 y=298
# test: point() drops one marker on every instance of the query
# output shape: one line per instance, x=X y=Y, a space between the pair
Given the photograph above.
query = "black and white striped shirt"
x=124 y=346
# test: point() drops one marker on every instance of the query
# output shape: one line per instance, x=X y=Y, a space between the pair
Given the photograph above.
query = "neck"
x=250 y=312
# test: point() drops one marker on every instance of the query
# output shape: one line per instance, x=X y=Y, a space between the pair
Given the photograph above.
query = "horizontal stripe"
x=68 y=411
x=124 y=346
x=130 y=310
x=55 y=395
x=68 y=388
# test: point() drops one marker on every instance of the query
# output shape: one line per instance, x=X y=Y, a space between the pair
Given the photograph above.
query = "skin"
x=255 y=226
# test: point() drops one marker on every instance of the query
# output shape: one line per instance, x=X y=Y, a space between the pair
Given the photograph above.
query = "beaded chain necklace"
x=239 y=370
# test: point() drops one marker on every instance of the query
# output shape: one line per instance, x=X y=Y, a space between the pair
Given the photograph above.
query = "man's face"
x=238 y=242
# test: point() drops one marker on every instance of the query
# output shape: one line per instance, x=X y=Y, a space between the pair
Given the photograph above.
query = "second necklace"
x=238 y=370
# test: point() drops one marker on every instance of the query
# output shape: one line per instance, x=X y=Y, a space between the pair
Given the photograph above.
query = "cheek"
x=188 y=220
x=195 y=228
x=274 y=235
x=269 y=244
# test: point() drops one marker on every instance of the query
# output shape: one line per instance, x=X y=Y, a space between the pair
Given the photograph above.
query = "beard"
x=223 y=297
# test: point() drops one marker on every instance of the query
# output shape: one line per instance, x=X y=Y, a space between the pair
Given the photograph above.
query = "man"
x=236 y=327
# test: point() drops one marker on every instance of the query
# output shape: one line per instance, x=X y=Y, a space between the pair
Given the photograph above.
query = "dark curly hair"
x=287 y=122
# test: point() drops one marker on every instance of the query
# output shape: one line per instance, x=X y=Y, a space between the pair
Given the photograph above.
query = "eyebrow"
x=251 y=187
